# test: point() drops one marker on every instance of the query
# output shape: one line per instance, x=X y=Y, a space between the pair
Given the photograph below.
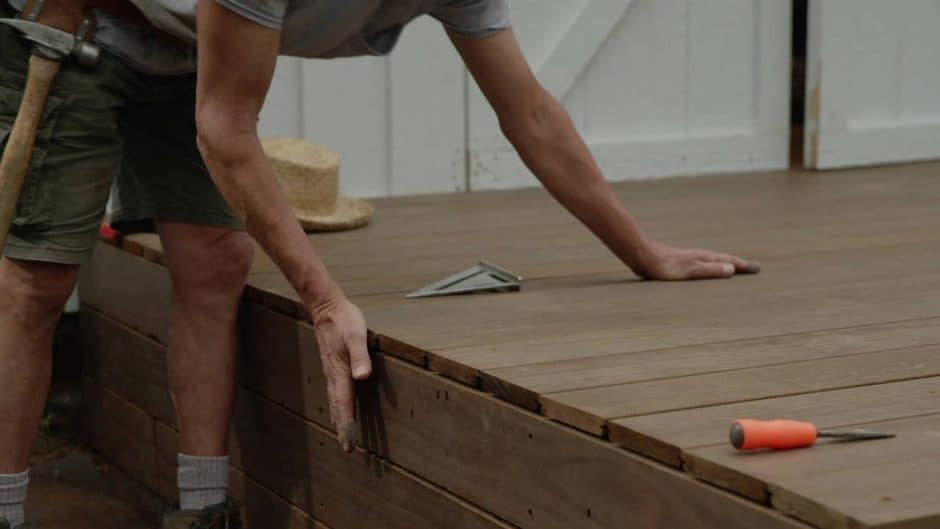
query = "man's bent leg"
x=33 y=294
x=208 y=266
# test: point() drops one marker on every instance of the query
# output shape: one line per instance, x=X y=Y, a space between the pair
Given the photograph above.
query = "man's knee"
x=35 y=290
x=217 y=266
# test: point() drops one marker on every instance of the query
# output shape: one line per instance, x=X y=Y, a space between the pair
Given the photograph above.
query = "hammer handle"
x=19 y=149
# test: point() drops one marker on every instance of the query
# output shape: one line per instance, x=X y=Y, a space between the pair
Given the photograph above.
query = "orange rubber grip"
x=748 y=434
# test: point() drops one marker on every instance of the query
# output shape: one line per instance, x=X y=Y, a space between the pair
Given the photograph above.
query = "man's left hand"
x=665 y=263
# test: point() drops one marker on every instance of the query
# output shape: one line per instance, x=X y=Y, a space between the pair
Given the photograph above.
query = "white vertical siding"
x=873 y=87
x=658 y=87
x=397 y=122
x=675 y=87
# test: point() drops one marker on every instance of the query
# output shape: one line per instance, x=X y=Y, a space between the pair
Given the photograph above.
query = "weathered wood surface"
x=524 y=383
x=127 y=363
x=485 y=450
x=588 y=408
x=146 y=449
x=891 y=483
x=482 y=449
x=664 y=436
x=120 y=431
x=134 y=289
x=844 y=309
x=306 y=478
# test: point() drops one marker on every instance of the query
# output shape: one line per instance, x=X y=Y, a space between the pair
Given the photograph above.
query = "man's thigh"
x=75 y=159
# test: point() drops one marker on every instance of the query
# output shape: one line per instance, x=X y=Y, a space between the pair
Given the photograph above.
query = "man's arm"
x=544 y=136
x=236 y=64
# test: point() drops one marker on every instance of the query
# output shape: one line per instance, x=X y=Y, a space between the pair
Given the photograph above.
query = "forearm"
x=552 y=149
x=242 y=174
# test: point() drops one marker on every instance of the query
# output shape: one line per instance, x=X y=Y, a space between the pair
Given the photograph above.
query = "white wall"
x=658 y=88
x=397 y=122
x=873 y=89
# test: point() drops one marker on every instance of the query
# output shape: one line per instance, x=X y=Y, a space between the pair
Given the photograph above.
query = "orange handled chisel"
x=748 y=434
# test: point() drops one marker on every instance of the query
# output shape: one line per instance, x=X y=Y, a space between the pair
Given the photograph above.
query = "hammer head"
x=54 y=43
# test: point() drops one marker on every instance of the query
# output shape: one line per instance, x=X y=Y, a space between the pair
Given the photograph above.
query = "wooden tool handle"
x=19 y=148
x=747 y=434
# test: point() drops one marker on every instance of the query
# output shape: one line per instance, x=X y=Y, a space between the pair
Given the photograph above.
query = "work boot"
x=4 y=524
x=222 y=516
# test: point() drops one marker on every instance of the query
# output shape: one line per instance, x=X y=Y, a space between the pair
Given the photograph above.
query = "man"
x=132 y=119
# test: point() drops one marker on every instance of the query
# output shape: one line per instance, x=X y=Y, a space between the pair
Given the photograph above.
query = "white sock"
x=203 y=481
x=13 y=496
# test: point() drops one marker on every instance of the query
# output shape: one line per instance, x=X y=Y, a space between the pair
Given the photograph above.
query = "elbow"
x=537 y=122
x=222 y=137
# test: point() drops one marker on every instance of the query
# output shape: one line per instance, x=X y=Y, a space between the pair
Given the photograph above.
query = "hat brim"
x=350 y=213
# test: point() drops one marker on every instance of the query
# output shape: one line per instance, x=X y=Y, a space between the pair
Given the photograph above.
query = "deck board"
x=839 y=328
x=590 y=409
x=524 y=383
x=878 y=483
x=664 y=436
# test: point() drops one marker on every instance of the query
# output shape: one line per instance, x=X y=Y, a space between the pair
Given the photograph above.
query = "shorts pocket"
x=34 y=208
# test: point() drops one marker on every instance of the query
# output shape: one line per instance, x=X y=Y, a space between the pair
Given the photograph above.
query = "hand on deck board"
x=676 y=264
x=341 y=337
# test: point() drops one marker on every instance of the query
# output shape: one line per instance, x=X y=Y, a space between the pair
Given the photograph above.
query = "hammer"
x=50 y=47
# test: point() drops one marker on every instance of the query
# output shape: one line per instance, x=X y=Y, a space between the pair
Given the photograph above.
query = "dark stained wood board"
x=412 y=240
x=131 y=288
x=348 y=501
x=582 y=317
x=524 y=383
x=883 y=483
x=796 y=294
x=484 y=450
x=590 y=409
x=345 y=491
x=664 y=436
x=120 y=431
x=261 y=508
x=842 y=251
x=127 y=363
x=126 y=436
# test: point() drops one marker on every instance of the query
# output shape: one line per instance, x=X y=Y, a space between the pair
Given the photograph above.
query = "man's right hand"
x=341 y=336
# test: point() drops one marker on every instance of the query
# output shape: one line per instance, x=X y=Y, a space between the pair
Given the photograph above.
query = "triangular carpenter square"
x=483 y=276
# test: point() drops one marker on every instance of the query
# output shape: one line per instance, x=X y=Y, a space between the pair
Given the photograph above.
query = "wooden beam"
x=482 y=449
x=490 y=452
x=128 y=288
x=120 y=431
x=303 y=462
x=127 y=363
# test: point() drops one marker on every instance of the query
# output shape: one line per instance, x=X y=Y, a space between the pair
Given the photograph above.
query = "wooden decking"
x=842 y=328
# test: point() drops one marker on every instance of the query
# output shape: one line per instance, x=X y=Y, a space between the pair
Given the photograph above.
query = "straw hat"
x=309 y=174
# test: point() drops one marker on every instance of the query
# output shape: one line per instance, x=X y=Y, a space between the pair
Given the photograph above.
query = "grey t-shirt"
x=309 y=28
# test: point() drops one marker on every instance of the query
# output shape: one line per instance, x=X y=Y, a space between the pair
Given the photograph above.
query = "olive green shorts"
x=103 y=128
